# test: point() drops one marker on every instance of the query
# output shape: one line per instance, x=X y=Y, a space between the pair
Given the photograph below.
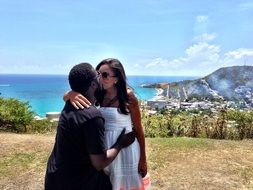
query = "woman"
x=120 y=109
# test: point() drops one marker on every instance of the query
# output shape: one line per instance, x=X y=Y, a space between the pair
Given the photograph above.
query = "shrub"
x=243 y=122
x=42 y=126
x=15 y=115
x=180 y=124
x=224 y=124
x=156 y=125
x=220 y=127
x=194 y=129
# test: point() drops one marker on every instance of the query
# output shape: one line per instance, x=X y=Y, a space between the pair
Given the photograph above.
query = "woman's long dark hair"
x=121 y=84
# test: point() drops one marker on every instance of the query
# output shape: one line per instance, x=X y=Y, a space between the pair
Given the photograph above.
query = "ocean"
x=45 y=92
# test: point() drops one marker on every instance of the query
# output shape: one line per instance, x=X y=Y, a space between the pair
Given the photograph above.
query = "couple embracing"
x=100 y=148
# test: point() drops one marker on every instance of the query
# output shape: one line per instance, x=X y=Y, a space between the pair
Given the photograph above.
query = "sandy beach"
x=159 y=94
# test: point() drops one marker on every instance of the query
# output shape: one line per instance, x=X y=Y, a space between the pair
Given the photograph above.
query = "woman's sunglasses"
x=105 y=75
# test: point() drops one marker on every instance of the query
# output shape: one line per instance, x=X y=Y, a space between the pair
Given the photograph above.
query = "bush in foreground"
x=225 y=124
x=16 y=116
x=42 y=126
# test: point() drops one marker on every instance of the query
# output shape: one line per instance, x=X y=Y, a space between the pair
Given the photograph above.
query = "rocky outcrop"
x=155 y=85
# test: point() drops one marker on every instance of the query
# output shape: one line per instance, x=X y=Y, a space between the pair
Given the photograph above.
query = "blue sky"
x=150 y=37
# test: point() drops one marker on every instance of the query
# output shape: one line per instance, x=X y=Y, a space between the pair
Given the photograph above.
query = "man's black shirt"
x=79 y=134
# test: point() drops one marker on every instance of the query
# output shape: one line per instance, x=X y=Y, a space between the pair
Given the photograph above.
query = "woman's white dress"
x=123 y=171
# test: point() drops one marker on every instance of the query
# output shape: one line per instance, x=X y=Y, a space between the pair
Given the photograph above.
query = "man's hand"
x=100 y=161
x=125 y=140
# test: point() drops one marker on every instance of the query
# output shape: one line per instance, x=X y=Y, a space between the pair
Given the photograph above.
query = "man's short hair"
x=80 y=77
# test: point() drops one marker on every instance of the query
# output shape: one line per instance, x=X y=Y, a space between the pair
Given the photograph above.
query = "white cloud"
x=239 y=53
x=177 y=63
x=240 y=56
x=203 y=52
x=204 y=37
x=157 y=62
x=200 y=59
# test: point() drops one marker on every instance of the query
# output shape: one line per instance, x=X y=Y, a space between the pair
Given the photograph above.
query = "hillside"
x=229 y=83
x=232 y=82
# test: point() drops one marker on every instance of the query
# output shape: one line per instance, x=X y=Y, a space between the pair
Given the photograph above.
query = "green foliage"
x=15 y=115
x=180 y=124
x=243 y=122
x=157 y=126
x=194 y=128
x=225 y=124
x=220 y=126
x=42 y=126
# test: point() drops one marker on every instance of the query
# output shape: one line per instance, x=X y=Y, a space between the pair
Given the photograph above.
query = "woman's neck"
x=111 y=92
x=110 y=98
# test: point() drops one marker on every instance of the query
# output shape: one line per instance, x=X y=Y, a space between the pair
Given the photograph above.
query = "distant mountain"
x=228 y=83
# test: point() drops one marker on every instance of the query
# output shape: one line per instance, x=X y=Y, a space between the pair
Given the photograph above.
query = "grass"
x=20 y=160
x=174 y=163
x=187 y=163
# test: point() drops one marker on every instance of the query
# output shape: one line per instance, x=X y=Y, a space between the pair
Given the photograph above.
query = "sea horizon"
x=44 y=92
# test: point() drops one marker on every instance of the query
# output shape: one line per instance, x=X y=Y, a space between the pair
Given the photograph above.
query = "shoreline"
x=159 y=94
x=52 y=116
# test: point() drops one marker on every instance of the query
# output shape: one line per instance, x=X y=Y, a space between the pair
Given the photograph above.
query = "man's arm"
x=100 y=161
x=103 y=159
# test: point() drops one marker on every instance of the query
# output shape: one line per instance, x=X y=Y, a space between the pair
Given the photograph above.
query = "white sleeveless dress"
x=123 y=171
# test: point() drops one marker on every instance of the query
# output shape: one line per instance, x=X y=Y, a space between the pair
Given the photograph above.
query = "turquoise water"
x=45 y=92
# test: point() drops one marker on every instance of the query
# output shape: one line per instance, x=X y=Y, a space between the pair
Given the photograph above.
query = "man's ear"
x=93 y=84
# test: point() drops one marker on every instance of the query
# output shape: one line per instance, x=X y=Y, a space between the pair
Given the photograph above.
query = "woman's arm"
x=76 y=99
x=136 y=120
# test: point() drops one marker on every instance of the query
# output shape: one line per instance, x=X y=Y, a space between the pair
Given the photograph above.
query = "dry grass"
x=185 y=163
x=174 y=163
x=23 y=160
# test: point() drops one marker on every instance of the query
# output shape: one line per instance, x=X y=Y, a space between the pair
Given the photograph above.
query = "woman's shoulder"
x=131 y=94
x=131 y=97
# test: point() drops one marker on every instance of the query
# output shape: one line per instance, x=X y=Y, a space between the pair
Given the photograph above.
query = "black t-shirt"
x=79 y=134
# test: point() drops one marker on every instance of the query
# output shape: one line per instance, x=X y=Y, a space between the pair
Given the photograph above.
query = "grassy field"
x=174 y=163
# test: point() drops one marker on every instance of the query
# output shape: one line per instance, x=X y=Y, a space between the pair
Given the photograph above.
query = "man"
x=79 y=156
